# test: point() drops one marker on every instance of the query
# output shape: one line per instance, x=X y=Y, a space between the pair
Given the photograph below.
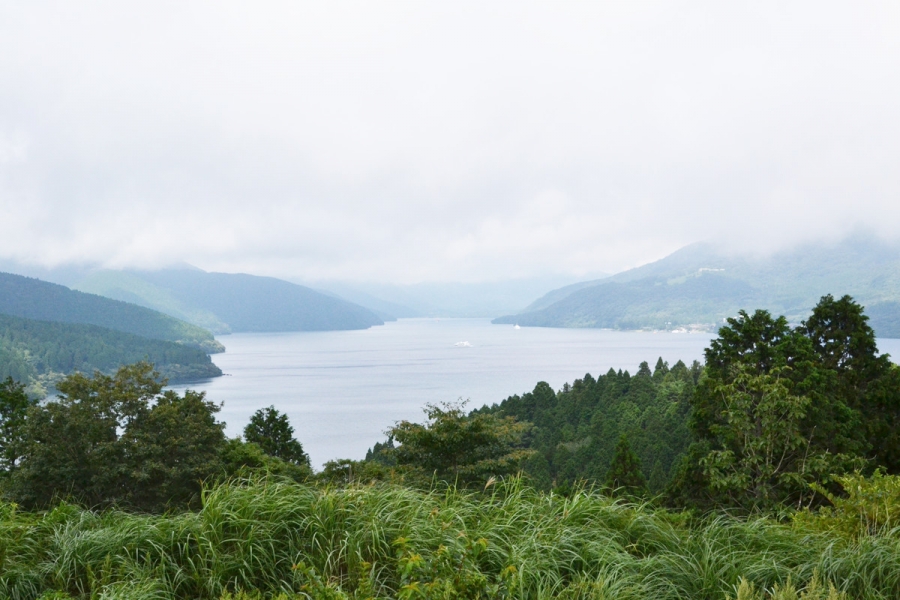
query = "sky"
x=424 y=141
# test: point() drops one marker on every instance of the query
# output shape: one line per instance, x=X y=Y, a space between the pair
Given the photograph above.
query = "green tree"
x=779 y=409
x=171 y=449
x=14 y=405
x=865 y=381
x=271 y=431
x=118 y=440
x=460 y=448
x=763 y=455
x=625 y=475
x=243 y=459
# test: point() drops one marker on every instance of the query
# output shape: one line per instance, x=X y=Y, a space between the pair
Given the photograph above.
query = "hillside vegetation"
x=226 y=302
x=40 y=352
x=29 y=298
x=701 y=284
x=261 y=538
x=577 y=428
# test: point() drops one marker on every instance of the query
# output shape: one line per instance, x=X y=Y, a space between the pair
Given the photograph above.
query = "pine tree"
x=625 y=475
x=271 y=431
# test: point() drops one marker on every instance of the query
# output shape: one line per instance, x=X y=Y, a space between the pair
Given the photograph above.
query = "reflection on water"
x=342 y=389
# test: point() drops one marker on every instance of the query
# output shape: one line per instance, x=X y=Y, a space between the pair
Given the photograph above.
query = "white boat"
x=463 y=345
x=517 y=326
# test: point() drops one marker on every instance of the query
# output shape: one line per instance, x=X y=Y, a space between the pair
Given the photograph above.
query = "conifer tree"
x=271 y=431
x=625 y=475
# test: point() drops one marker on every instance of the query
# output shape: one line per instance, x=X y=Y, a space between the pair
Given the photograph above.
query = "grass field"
x=265 y=539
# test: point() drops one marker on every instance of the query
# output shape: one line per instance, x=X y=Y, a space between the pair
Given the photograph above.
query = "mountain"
x=131 y=287
x=29 y=298
x=701 y=285
x=40 y=352
x=226 y=302
x=558 y=294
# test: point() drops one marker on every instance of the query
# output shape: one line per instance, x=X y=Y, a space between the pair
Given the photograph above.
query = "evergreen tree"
x=625 y=475
x=866 y=381
x=661 y=369
x=780 y=409
x=271 y=431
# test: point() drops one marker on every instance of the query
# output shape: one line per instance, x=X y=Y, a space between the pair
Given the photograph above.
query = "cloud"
x=410 y=141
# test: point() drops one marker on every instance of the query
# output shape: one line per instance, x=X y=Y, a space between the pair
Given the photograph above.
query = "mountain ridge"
x=233 y=302
x=701 y=285
x=35 y=299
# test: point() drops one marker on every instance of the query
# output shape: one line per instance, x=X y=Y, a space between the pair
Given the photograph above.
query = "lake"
x=342 y=389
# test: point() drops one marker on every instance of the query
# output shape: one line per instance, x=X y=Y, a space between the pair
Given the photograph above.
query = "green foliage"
x=266 y=538
x=576 y=430
x=29 y=298
x=869 y=506
x=346 y=472
x=866 y=381
x=460 y=448
x=14 y=405
x=271 y=431
x=765 y=460
x=118 y=440
x=814 y=590
x=244 y=459
x=625 y=475
x=780 y=409
x=382 y=453
x=41 y=352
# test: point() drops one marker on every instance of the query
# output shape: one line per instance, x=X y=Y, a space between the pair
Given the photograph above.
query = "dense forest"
x=773 y=411
x=577 y=429
x=35 y=299
x=41 y=351
x=770 y=472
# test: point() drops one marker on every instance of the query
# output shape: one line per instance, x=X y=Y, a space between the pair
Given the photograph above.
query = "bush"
x=871 y=507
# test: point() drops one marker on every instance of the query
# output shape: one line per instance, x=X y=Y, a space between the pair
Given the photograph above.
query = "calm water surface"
x=342 y=389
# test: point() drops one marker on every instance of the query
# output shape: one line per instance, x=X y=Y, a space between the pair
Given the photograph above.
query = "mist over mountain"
x=226 y=302
x=701 y=285
x=448 y=299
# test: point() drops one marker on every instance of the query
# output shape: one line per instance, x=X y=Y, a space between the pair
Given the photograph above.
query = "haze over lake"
x=342 y=389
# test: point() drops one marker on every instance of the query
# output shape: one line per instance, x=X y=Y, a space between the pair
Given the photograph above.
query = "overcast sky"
x=435 y=141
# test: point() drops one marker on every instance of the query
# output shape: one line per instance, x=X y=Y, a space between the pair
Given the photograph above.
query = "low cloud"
x=409 y=142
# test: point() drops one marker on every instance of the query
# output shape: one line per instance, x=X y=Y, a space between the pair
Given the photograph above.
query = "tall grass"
x=262 y=538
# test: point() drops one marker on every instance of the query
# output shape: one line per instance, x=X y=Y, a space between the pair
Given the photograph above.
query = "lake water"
x=342 y=389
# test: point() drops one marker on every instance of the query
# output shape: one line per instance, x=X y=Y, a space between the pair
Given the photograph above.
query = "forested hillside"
x=228 y=302
x=576 y=430
x=702 y=284
x=35 y=299
x=39 y=352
